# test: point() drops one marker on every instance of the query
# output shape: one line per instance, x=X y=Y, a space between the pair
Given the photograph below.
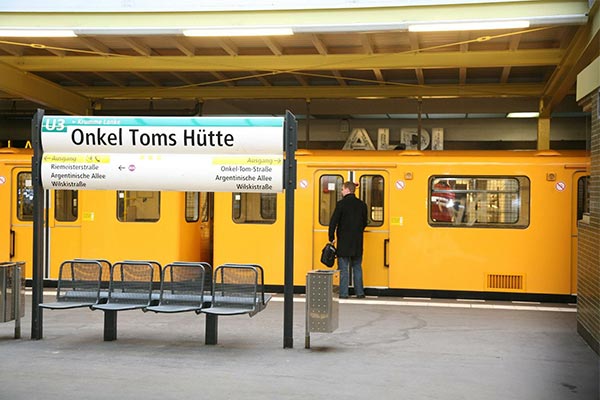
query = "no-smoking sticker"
x=2 y=180
x=560 y=186
x=303 y=183
x=400 y=185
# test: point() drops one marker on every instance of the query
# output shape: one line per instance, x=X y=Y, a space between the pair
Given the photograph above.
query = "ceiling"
x=344 y=62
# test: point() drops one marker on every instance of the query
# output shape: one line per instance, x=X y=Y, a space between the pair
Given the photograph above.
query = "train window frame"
x=264 y=214
x=192 y=206
x=583 y=196
x=496 y=200
x=24 y=193
x=66 y=205
x=367 y=198
x=146 y=199
x=326 y=205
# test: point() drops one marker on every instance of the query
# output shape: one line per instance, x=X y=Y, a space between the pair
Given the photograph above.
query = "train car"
x=457 y=222
x=113 y=225
x=450 y=222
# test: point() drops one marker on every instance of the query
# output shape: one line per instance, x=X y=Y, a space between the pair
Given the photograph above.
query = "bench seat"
x=170 y=309
x=182 y=288
x=65 y=305
x=78 y=284
x=238 y=289
x=119 y=306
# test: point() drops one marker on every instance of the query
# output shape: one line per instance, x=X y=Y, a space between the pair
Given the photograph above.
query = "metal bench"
x=181 y=288
x=79 y=284
x=130 y=288
x=237 y=289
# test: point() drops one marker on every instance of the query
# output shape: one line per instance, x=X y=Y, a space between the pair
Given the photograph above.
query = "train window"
x=24 y=197
x=138 y=206
x=329 y=195
x=192 y=206
x=583 y=196
x=372 y=193
x=479 y=201
x=65 y=205
x=254 y=208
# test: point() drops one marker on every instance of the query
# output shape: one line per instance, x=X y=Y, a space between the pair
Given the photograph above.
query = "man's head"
x=348 y=187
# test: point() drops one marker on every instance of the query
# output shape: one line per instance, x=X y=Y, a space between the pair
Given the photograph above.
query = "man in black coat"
x=349 y=221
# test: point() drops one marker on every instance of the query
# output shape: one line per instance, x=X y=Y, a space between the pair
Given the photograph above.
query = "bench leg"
x=211 y=329
x=110 y=326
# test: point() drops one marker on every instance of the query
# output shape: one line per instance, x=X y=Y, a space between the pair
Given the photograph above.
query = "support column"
x=543 y=133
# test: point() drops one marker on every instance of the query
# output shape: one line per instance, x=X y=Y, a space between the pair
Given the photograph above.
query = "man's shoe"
x=360 y=296
x=343 y=297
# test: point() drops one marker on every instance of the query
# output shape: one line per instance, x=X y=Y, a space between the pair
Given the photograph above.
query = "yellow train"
x=439 y=222
x=451 y=221
x=113 y=225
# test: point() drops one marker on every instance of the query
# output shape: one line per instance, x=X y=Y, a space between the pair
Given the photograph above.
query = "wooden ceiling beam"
x=470 y=59
x=48 y=94
x=324 y=92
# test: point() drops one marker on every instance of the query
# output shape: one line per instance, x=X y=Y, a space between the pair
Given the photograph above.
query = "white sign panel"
x=179 y=172
x=194 y=135
x=163 y=153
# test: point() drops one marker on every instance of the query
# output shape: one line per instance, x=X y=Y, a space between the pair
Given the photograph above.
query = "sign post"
x=212 y=154
x=291 y=145
x=39 y=237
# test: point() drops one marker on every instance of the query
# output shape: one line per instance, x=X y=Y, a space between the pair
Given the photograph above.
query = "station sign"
x=238 y=154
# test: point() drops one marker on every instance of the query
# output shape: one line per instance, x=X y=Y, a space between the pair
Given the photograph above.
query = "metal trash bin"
x=322 y=315
x=12 y=294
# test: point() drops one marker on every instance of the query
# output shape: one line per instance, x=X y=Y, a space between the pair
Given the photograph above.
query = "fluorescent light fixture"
x=37 y=33
x=250 y=31
x=529 y=114
x=143 y=31
x=468 y=26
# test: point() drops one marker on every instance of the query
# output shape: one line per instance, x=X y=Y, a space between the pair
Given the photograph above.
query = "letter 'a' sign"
x=236 y=154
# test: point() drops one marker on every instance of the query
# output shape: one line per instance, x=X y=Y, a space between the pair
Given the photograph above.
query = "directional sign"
x=180 y=172
x=163 y=153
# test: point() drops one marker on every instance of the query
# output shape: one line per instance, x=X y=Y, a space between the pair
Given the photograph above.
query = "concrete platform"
x=387 y=348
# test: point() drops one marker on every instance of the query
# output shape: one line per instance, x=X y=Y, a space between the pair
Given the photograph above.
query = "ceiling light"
x=529 y=114
x=468 y=26
x=37 y=33
x=257 y=31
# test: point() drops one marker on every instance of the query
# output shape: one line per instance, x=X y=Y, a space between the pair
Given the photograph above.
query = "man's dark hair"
x=351 y=186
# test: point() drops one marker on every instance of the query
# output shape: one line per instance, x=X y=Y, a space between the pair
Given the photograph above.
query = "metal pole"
x=290 y=138
x=38 y=227
x=419 y=124
x=17 y=299
x=307 y=126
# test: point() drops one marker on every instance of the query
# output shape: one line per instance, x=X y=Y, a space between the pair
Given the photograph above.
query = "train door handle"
x=12 y=243
x=386 y=243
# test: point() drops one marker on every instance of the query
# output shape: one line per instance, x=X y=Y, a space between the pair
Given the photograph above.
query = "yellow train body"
x=462 y=221
x=406 y=249
x=97 y=229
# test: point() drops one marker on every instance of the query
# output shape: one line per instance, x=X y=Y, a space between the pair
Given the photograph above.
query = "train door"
x=64 y=227
x=21 y=218
x=64 y=238
x=373 y=190
x=581 y=202
x=249 y=228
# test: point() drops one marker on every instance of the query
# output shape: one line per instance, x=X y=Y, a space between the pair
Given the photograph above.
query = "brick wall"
x=588 y=264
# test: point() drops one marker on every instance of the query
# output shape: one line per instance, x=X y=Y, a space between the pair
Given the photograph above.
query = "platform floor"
x=388 y=348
